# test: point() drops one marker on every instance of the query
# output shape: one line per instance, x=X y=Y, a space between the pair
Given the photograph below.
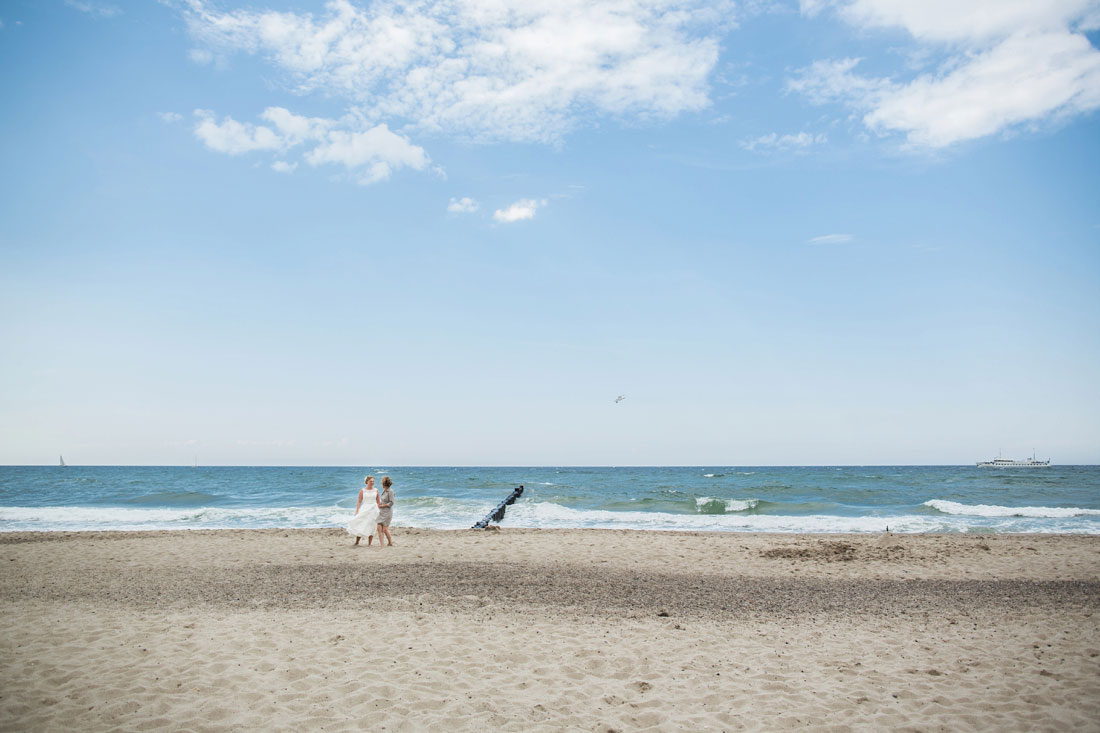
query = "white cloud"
x=502 y=69
x=232 y=137
x=1023 y=79
x=830 y=239
x=520 y=210
x=464 y=205
x=170 y=117
x=294 y=128
x=370 y=155
x=1004 y=63
x=950 y=20
x=98 y=10
x=374 y=154
x=775 y=141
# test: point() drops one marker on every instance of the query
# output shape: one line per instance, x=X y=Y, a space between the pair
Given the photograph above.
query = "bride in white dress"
x=366 y=512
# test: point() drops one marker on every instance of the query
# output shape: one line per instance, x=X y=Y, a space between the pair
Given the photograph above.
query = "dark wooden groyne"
x=498 y=513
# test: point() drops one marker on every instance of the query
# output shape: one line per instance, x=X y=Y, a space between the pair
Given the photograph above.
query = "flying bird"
x=620 y=398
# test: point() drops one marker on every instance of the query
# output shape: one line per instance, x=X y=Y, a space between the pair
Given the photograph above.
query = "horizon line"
x=516 y=465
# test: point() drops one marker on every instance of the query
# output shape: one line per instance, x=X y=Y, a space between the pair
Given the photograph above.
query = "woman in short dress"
x=366 y=513
x=385 y=511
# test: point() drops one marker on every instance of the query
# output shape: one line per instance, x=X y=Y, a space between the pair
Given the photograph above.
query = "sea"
x=819 y=499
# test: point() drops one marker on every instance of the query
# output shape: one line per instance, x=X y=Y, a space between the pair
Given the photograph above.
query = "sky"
x=452 y=233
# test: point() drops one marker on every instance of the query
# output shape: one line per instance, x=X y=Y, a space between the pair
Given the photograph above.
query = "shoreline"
x=539 y=629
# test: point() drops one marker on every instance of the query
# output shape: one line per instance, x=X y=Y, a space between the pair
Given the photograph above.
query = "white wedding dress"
x=365 y=522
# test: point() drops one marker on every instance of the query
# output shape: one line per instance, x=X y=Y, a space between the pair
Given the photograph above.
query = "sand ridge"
x=587 y=590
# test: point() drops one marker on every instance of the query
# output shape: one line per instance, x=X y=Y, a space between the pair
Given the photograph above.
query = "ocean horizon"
x=503 y=465
x=814 y=499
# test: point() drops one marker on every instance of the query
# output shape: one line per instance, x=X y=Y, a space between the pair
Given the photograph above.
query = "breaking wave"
x=992 y=510
x=713 y=505
x=711 y=515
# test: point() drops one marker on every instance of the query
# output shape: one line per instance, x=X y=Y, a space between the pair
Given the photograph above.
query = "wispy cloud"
x=200 y=56
x=369 y=154
x=830 y=239
x=170 y=117
x=1001 y=65
x=775 y=141
x=97 y=10
x=464 y=205
x=520 y=210
x=509 y=70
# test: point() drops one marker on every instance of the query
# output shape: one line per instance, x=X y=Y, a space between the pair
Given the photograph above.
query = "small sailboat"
x=61 y=461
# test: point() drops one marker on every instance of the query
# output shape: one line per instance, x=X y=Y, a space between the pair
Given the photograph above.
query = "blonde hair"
x=386 y=483
x=368 y=479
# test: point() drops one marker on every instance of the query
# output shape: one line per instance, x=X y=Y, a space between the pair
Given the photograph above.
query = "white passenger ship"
x=999 y=462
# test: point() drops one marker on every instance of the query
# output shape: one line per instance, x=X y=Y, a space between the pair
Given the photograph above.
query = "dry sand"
x=551 y=630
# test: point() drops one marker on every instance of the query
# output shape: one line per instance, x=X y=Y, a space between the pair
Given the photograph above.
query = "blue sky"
x=860 y=231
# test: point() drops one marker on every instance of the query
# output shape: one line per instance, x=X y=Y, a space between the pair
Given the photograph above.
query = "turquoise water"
x=709 y=498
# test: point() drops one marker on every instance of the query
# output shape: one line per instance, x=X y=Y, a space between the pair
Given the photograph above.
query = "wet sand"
x=548 y=630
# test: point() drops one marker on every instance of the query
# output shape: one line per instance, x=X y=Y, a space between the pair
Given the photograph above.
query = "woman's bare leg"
x=380 y=529
x=386 y=530
x=353 y=544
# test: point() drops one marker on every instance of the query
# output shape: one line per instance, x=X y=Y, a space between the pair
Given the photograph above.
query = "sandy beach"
x=591 y=630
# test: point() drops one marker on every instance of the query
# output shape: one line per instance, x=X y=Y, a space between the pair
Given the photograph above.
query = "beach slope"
x=548 y=630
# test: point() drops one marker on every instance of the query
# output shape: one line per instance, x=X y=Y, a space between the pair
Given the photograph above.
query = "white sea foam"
x=546 y=514
x=75 y=518
x=430 y=512
x=443 y=513
x=992 y=510
x=732 y=505
x=708 y=475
